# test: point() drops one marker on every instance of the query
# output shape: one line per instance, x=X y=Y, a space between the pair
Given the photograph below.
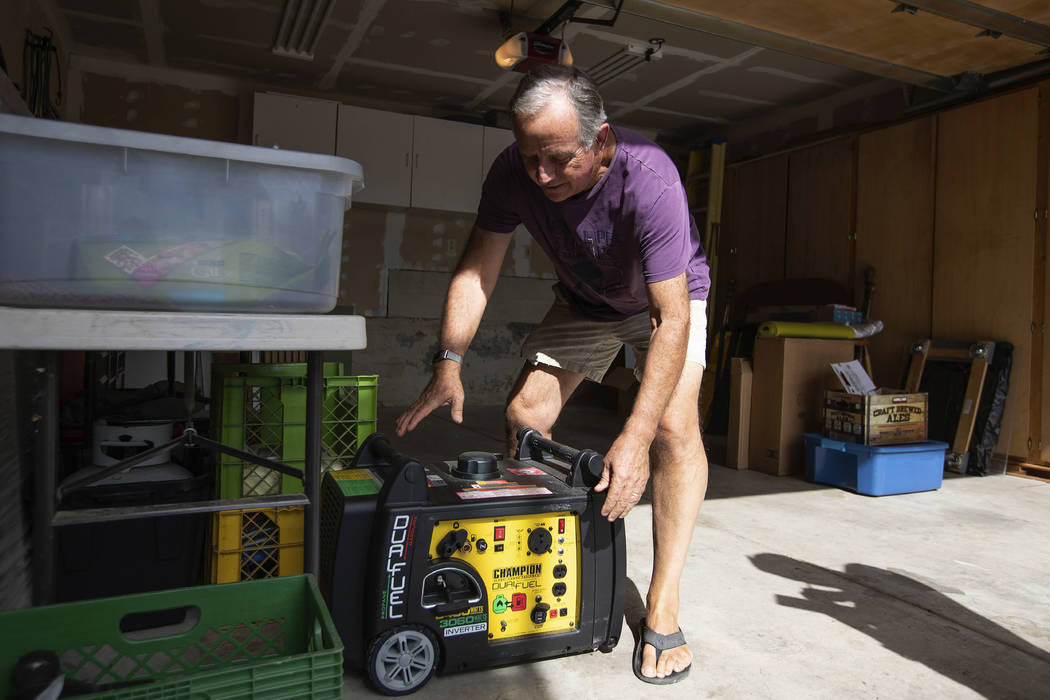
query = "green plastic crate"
x=273 y=369
x=265 y=413
x=221 y=373
x=258 y=639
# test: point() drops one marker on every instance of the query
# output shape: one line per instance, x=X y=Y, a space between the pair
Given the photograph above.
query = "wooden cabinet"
x=984 y=240
x=446 y=164
x=294 y=123
x=895 y=183
x=754 y=212
x=819 y=212
x=1043 y=442
x=788 y=216
x=382 y=143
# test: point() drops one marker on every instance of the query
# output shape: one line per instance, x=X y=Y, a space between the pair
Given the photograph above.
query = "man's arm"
x=468 y=293
x=627 y=461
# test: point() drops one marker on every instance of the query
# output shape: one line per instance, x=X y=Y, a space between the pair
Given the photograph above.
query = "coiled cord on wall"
x=37 y=54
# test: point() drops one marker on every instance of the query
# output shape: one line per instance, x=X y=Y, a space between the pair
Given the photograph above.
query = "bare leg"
x=537 y=399
x=679 y=477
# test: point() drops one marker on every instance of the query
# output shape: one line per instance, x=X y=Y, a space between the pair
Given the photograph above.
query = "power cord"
x=37 y=54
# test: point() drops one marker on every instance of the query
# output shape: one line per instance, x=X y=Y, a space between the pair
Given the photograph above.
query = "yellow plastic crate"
x=248 y=545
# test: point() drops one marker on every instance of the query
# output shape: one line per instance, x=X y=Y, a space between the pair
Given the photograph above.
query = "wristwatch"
x=446 y=354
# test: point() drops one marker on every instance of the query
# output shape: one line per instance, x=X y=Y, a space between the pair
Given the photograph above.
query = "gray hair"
x=543 y=84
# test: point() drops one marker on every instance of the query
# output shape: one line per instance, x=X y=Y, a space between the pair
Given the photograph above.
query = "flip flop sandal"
x=660 y=642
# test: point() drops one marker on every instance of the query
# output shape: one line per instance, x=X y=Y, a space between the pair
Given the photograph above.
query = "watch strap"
x=446 y=354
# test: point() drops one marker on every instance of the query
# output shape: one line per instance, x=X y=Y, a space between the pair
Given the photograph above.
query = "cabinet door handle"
x=417 y=162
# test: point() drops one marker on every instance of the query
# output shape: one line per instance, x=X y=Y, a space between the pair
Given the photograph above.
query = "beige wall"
x=159 y=108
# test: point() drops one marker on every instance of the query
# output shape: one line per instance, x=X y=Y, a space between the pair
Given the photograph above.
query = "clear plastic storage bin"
x=92 y=217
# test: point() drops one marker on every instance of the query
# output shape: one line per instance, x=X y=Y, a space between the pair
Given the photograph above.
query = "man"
x=608 y=207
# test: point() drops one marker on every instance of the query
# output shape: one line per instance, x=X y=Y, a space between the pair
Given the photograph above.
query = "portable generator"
x=472 y=563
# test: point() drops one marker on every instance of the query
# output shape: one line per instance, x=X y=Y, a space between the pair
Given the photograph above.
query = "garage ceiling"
x=723 y=62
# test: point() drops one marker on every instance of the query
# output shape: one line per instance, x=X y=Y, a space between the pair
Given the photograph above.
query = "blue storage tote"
x=875 y=470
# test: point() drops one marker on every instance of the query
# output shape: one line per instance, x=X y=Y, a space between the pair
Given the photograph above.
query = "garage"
x=248 y=242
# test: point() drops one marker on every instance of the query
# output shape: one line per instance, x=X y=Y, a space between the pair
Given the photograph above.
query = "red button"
x=554 y=613
x=561 y=526
x=499 y=533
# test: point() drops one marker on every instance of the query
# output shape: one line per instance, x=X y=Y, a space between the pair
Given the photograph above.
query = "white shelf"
x=10 y=100
x=76 y=329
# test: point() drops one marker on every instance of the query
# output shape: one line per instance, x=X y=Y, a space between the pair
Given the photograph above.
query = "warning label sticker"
x=526 y=471
x=475 y=495
x=356 y=482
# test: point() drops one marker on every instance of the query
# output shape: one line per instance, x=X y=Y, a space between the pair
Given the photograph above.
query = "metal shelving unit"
x=53 y=330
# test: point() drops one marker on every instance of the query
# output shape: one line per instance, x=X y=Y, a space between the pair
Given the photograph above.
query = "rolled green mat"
x=791 y=329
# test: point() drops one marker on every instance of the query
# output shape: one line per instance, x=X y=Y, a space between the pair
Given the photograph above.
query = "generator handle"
x=585 y=465
x=386 y=452
x=406 y=483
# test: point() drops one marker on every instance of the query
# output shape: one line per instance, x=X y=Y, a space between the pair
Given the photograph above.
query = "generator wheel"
x=402 y=660
x=608 y=645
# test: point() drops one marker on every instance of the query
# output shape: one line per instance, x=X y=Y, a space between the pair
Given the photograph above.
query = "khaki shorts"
x=589 y=347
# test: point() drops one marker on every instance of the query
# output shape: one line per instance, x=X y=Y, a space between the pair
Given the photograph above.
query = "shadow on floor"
x=918 y=622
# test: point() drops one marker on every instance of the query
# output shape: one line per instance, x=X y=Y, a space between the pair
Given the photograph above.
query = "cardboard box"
x=886 y=417
x=739 y=413
x=790 y=376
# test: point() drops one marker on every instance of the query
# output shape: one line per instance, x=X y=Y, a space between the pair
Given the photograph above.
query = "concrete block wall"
x=395 y=271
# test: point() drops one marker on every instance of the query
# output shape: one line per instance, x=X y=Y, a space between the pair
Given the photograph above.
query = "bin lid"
x=180 y=145
x=814 y=439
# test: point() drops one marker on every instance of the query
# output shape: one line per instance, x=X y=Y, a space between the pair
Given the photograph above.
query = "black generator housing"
x=472 y=563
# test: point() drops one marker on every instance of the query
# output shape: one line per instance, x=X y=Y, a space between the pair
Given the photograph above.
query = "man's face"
x=552 y=153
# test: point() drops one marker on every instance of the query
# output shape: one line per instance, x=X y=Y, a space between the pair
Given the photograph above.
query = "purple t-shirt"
x=632 y=228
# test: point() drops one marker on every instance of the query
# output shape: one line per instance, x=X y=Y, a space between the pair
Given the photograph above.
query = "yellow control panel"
x=529 y=566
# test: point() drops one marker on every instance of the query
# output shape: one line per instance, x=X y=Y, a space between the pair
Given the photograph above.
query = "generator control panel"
x=528 y=565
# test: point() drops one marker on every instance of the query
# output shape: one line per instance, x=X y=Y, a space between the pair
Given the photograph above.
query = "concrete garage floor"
x=794 y=590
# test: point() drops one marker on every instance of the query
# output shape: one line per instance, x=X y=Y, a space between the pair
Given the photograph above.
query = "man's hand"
x=625 y=475
x=444 y=389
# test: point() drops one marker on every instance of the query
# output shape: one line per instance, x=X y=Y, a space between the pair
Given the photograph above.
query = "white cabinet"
x=382 y=143
x=294 y=123
x=495 y=141
x=413 y=161
x=446 y=165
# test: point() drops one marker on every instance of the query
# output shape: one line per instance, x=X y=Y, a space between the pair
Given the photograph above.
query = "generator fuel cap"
x=476 y=465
